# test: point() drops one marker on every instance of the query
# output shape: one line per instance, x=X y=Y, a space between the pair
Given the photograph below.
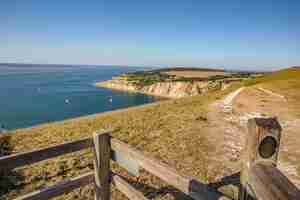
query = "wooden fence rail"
x=260 y=179
x=31 y=157
x=107 y=148
x=60 y=188
x=267 y=182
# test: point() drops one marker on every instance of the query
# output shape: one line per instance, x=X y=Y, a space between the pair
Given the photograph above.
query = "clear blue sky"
x=231 y=33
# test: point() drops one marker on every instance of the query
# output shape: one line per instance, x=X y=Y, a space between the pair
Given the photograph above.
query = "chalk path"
x=272 y=93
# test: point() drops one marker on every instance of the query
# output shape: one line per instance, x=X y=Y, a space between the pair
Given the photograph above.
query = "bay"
x=34 y=94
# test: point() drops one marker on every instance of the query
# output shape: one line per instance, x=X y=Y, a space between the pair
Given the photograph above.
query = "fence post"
x=262 y=146
x=102 y=154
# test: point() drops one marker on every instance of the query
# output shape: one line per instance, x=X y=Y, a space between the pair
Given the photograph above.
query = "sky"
x=256 y=34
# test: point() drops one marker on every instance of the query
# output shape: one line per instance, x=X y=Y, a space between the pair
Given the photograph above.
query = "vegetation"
x=189 y=69
x=144 y=78
x=285 y=74
x=174 y=131
x=287 y=83
x=169 y=130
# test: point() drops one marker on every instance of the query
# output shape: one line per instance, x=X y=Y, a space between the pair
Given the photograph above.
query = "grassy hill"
x=169 y=130
x=173 y=131
x=285 y=82
x=181 y=74
x=292 y=73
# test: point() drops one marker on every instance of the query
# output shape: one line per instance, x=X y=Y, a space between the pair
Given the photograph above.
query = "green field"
x=144 y=78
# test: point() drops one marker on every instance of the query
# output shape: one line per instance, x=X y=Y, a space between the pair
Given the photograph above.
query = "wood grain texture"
x=258 y=130
x=102 y=154
x=129 y=191
x=59 y=188
x=188 y=185
x=26 y=158
x=269 y=183
x=127 y=162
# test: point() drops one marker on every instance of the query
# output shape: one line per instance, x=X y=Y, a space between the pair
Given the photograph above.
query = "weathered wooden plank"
x=262 y=146
x=130 y=192
x=189 y=186
x=20 y=159
x=268 y=183
x=127 y=162
x=102 y=152
x=59 y=188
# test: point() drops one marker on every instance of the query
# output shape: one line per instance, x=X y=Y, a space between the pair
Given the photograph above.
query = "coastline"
x=167 y=89
x=69 y=93
x=106 y=84
x=147 y=127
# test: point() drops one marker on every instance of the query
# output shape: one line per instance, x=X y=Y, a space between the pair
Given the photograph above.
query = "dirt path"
x=228 y=119
x=262 y=102
x=227 y=137
x=272 y=93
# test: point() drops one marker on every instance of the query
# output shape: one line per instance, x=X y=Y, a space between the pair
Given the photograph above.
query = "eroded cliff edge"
x=170 y=89
x=173 y=82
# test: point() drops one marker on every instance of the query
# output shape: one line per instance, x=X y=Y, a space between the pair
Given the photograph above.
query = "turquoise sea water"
x=34 y=94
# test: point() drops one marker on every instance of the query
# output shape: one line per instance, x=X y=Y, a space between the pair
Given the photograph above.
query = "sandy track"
x=259 y=102
x=272 y=93
x=229 y=117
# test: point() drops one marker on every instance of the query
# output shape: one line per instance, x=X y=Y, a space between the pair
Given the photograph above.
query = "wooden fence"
x=260 y=178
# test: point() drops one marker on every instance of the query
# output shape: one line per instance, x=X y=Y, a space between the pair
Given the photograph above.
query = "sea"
x=35 y=94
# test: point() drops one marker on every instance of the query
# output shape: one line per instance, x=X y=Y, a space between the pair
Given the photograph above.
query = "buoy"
x=67 y=101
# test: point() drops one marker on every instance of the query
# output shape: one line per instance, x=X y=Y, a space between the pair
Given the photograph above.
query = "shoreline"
x=165 y=89
x=89 y=116
x=93 y=115
x=104 y=84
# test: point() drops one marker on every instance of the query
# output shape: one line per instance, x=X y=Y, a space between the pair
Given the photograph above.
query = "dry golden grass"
x=285 y=82
x=290 y=88
x=196 y=74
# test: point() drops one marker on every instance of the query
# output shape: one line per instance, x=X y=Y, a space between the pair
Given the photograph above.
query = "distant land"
x=217 y=68
x=176 y=82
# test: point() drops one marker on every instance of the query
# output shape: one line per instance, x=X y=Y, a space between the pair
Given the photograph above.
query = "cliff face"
x=180 y=89
x=166 y=89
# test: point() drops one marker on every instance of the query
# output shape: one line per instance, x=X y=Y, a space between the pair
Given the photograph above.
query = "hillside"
x=277 y=94
x=174 y=82
x=188 y=72
x=285 y=82
x=292 y=73
x=200 y=136
x=170 y=130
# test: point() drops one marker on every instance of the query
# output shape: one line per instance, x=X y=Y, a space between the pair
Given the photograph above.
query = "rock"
x=201 y=118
